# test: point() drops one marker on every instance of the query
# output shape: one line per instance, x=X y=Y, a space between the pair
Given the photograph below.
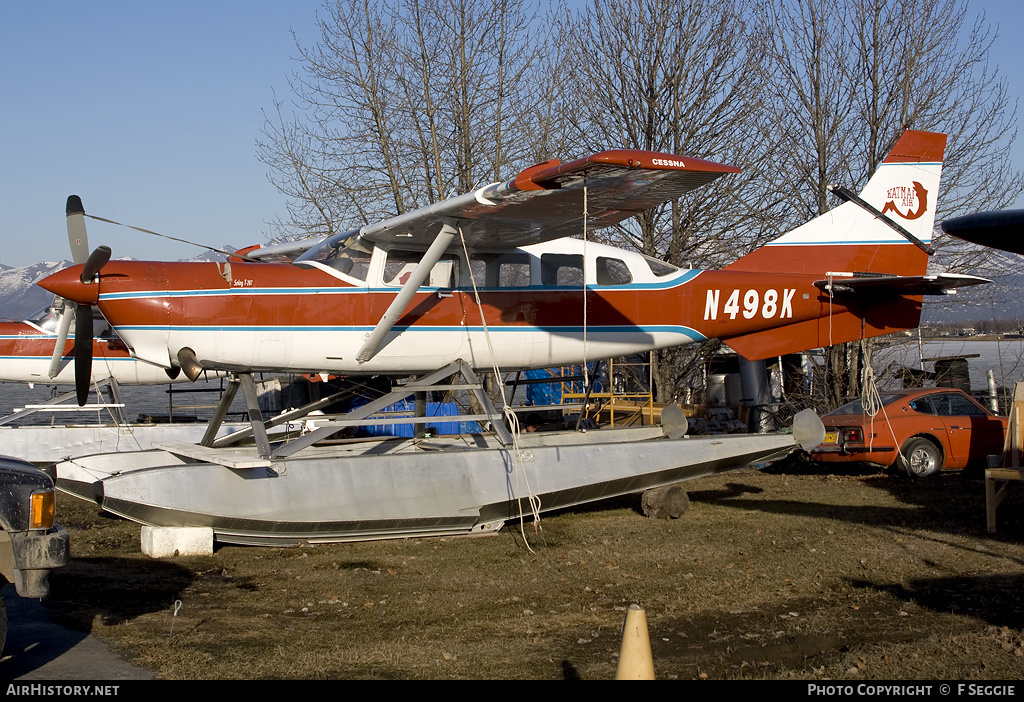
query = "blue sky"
x=150 y=112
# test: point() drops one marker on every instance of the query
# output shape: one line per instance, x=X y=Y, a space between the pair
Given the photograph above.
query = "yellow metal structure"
x=625 y=403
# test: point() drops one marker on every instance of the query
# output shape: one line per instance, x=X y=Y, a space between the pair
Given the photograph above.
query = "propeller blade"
x=83 y=352
x=77 y=236
x=97 y=259
x=79 y=241
x=62 y=336
x=93 y=262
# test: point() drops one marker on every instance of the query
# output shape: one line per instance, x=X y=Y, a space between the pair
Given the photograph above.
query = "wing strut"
x=397 y=308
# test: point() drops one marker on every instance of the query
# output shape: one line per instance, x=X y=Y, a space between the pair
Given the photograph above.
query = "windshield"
x=346 y=253
x=45 y=319
x=48 y=320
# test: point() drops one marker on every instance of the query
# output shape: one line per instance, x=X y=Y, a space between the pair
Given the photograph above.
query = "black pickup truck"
x=31 y=545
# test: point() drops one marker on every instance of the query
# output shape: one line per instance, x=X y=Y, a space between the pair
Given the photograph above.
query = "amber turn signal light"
x=41 y=512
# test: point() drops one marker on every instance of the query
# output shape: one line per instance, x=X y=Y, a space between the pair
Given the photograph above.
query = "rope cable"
x=586 y=216
x=172 y=238
x=510 y=416
x=871 y=403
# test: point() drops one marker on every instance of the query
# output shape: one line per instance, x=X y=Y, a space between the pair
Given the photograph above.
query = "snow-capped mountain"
x=19 y=294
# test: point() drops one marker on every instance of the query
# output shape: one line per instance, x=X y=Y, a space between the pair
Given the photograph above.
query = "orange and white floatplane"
x=488 y=280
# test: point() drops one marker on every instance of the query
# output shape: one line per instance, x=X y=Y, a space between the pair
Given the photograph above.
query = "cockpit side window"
x=400 y=265
x=45 y=319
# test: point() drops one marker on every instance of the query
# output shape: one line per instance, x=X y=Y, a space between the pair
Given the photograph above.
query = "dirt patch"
x=786 y=573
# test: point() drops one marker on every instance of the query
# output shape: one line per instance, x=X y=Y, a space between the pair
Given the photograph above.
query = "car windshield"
x=857 y=406
x=346 y=253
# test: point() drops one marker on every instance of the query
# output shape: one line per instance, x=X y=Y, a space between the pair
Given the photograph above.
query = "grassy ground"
x=787 y=573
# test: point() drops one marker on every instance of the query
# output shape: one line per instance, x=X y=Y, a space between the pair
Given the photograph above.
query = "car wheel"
x=920 y=458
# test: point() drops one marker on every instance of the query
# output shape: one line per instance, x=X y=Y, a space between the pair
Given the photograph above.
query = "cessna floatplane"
x=482 y=281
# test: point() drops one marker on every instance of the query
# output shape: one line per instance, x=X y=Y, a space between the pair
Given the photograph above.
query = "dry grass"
x=777 y=574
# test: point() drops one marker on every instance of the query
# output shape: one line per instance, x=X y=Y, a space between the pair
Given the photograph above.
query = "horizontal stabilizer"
x=874 y=285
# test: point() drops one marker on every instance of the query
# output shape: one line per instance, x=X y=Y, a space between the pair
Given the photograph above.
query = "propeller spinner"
x=83 y=325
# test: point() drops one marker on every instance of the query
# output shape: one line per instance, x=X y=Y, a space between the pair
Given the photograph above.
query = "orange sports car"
x=920 y=430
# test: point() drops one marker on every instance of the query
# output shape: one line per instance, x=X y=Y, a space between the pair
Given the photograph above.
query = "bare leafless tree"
x=848 y=76
x=404 y=102
x=925 y=64
x=676 y=78
x=805 y=52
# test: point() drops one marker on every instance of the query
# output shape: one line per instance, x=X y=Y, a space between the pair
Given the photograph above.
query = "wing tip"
x=543 y=176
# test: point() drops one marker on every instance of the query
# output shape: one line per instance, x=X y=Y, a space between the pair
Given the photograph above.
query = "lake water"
x=152 y=399
x=1005 y=358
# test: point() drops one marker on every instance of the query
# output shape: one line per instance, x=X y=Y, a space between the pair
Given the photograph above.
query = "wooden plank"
x=999 y=480
x=1005 y=473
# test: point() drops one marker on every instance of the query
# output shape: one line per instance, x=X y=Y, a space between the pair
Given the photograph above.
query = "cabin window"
x=346 y=253
x=561 y=270
x=400 y=265
x=507 y=270
x=659 y=267
x=612 y=271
